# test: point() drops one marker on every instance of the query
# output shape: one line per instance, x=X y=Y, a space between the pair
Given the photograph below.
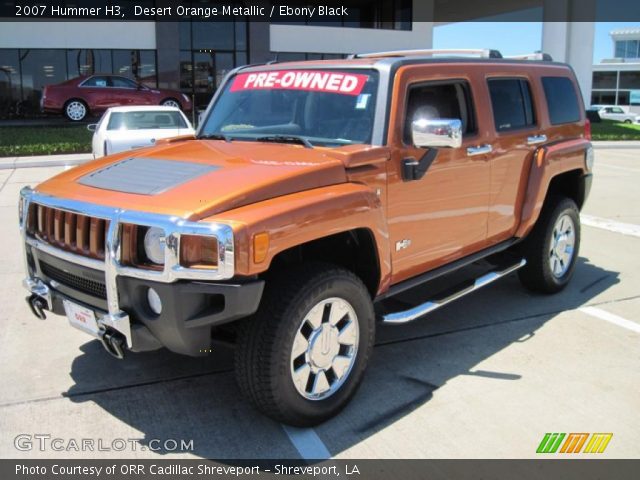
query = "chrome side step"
x=430 y=306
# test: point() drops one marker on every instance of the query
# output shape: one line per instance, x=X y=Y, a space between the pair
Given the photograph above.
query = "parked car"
x=128 y=128
x=613 y=112
x=314 y=195
x=81 y=96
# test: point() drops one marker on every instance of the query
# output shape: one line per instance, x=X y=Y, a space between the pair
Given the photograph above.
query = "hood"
x=198 y=178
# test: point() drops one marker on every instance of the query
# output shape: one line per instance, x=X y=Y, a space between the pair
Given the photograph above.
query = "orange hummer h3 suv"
x=312 y=194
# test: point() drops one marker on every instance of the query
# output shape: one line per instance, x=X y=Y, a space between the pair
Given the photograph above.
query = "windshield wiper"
x=286 y=139
x=215 y=136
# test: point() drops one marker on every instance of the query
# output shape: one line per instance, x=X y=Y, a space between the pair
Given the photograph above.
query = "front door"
x=442 y=216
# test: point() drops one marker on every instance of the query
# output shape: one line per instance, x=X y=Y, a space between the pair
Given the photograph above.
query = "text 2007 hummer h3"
x=312 y=193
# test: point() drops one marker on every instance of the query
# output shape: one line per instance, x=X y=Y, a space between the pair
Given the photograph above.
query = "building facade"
x=616 y=81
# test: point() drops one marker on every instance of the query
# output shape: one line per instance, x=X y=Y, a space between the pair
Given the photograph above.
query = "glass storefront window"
x=10 y=89
x=603 y=98
x=40 y=67
x=605 y=79
x=623 y=98
x=88 y=62
x=213 y=35
x=630 y=80
x=147 y=68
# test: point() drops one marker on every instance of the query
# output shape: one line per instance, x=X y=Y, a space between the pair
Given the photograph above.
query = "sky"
x=513 y=38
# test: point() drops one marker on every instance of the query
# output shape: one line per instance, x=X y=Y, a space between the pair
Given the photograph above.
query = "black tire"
x=264 y=351
x=537 y=274
x=628 y=121
x=74 y=117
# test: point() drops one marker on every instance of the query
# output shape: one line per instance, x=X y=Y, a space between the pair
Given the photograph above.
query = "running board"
x=430 y=306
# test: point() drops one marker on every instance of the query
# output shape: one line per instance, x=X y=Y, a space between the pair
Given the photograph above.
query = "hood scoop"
x=145 y=176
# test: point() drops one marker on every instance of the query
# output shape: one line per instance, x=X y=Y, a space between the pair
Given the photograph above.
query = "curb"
x=10 y=163
x=616 y=145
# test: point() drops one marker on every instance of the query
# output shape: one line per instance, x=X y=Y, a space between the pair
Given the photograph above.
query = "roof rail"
x=482 y=53
x=545 y=57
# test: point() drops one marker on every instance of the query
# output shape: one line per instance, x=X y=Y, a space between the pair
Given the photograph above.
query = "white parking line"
x=612 y=318
x=307 y=442
x=611 y=225
x=616 y=167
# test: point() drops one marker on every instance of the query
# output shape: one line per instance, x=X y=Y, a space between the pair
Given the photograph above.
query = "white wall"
x=302 y=38
x=127 y=35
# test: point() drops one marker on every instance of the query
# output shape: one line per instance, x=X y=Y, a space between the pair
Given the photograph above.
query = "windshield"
x=149 y=120
x=322 y=107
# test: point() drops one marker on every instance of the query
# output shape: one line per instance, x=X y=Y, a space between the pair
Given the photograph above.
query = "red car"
x=93 y=94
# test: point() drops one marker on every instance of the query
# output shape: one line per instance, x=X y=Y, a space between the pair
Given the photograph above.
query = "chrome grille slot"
x=68 y=231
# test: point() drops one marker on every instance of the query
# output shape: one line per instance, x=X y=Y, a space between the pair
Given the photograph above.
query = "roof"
x=372 y=62
x=626 y=31
x=144 y=108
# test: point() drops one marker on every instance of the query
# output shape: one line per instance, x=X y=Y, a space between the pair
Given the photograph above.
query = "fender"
x=302 y=217
x=548 y=162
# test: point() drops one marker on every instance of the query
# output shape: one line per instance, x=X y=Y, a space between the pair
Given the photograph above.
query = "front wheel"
x=170 y=102
x=302 y=357
x=552 y=247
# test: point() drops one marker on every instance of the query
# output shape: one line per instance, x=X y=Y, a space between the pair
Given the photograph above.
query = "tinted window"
x=95 y=82
x=562 y=100
x=121 y=82
x=145 y=120
x=449 y=100
x=511 y=102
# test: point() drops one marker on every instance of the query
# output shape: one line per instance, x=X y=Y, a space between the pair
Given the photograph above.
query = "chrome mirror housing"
x=436 y=132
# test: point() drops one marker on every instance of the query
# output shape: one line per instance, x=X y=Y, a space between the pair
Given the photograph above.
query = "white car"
x=128 y=128
x=613 y=112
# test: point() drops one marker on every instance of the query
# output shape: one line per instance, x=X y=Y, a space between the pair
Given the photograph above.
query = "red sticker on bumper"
x=309 y=80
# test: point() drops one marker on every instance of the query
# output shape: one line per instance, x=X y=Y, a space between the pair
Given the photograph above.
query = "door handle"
x=536 y=139
x=479 y=150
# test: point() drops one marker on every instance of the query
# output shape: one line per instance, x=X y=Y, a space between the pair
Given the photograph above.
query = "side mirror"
x=437 y=132
x=92 y=127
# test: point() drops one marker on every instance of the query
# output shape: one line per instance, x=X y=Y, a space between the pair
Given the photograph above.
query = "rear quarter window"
x=562 y=100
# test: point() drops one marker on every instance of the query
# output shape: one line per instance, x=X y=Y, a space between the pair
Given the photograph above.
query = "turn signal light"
x=260 y=247
x=197 y=251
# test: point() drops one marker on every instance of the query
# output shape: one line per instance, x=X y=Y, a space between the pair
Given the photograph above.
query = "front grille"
x=69 y=231
x=84 y=285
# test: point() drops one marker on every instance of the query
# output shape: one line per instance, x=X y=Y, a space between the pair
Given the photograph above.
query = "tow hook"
x=113 y=343
x=37 y=306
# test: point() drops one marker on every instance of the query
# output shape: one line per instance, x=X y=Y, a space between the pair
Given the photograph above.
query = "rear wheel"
x=76 y=110
x=552 y=248
x=302 y=357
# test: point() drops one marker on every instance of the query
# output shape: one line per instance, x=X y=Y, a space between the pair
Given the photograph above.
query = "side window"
x=95 y=82
x=562 y=100
x=511 y=103
x=440 y=100
x=121 y=82
x=608 y=110
x=618 y=110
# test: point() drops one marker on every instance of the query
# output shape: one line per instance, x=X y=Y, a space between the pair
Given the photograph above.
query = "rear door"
x=95 y=90
x=517 y=134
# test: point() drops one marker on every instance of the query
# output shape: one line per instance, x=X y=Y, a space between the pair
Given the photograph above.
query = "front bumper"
x=192 y=301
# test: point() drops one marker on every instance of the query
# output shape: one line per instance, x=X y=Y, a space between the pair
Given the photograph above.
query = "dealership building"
x=194 y=55
x=616 y=81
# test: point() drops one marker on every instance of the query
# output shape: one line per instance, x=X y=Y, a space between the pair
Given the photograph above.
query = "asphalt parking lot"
x=485 y=377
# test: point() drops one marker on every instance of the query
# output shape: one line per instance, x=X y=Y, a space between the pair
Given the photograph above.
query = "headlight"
x=154 y=243
x=589 y=158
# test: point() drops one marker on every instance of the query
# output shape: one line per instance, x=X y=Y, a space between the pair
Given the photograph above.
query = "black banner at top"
x=357 y=13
